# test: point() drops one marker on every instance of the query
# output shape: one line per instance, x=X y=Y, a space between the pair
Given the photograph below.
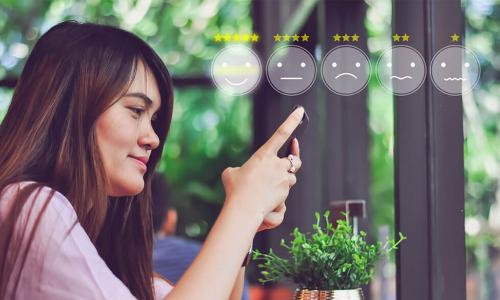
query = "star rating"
x=345 y=37
x=401 y=38
x=455 y=37
x=236 y=37
x=287 y=38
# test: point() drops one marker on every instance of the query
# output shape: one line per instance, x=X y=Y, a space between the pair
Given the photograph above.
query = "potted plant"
x=330 y=263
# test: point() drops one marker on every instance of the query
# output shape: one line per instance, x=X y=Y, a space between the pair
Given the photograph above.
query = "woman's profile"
x=79 y=145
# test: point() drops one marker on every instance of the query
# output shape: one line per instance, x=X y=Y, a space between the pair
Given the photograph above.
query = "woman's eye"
x=137 y=111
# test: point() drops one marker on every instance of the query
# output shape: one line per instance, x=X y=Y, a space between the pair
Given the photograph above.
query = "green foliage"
x=332 y=258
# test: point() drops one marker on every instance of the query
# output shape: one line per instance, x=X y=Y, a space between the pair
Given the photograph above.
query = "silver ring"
x=292 y=164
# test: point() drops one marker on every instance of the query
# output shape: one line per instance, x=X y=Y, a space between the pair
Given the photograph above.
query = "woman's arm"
x=237 y=291
x=213 y=272
x=255 y=197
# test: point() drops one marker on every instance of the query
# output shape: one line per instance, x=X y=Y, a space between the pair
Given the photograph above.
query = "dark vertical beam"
x=348 y=168
x=429 y=169
x=347 y=125
x=271 y=108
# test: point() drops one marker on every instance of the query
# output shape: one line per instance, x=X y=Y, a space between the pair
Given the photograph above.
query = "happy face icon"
x=236 y=70
x=345 y=70
x=401 y=69
x=291 y=70
x=455 y=70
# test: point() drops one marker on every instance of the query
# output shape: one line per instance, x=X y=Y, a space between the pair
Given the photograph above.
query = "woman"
x=79 y=144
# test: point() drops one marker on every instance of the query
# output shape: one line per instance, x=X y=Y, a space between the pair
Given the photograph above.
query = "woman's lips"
x=140 y=163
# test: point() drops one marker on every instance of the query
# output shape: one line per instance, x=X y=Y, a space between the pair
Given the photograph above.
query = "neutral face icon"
x=401 y=69
x=455 y=70
x=236 y=70
x=345 y=70
x=291 y=70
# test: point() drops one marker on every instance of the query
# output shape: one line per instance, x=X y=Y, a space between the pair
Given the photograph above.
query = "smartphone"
x=297 y=133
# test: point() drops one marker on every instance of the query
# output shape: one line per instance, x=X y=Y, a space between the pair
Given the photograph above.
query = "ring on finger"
x=292 y=168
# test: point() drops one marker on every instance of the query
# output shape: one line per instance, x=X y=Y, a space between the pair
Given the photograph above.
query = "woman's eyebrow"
x=148 y=102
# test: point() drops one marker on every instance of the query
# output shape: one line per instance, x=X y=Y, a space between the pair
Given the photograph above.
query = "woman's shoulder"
x=62 y=261
x=40 y=191
x=55 y=206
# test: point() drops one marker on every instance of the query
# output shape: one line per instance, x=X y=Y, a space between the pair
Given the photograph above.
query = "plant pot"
x=355 y=294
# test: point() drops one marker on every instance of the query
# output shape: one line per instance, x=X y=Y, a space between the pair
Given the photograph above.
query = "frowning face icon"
x=455 y=70
x=401 y=69
x=291 y=70
x=345 y=70
x=236 y=70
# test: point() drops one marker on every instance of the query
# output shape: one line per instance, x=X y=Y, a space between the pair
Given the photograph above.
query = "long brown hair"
x=74 y=73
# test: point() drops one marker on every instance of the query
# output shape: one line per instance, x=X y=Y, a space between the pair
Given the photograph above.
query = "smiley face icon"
x=236 y=70
x=345 y=70
x=401 y=70
x=291 y=70
x=455 y=70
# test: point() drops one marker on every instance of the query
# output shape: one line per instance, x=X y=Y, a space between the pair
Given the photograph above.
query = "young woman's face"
x=125 y=135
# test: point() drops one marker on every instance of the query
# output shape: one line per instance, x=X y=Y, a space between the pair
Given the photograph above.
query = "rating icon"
x=401 y=38
x=345 y=37
x=291 y=38
x=236 y=37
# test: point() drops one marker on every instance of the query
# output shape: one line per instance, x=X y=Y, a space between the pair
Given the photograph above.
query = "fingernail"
x=298 y=107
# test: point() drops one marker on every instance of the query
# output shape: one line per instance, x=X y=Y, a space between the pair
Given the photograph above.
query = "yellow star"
x=236 y=37
x=406 y=38
x=277 y=37
x=286 y=38
x=227 y=37
x=336 y=37
x=255 y=37
x=345 y=37
x=246 y=38
x=295 y=37
x=218 y=37
x=305 y=38
x=395 y=38
x=355 y=38
x=455 y=37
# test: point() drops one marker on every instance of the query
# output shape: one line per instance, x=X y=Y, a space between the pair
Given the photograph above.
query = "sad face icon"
x=401 y=70
x=455 y=70
x=345 y=70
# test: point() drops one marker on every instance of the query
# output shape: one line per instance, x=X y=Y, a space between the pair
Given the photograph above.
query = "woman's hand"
x=261 y=185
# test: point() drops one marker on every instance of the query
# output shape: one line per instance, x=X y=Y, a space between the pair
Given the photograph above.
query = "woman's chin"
x=131 y=187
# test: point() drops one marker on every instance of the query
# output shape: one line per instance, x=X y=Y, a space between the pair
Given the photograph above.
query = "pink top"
x=59 y=266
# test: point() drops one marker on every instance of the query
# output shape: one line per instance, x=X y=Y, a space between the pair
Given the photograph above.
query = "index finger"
x=283 y=132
